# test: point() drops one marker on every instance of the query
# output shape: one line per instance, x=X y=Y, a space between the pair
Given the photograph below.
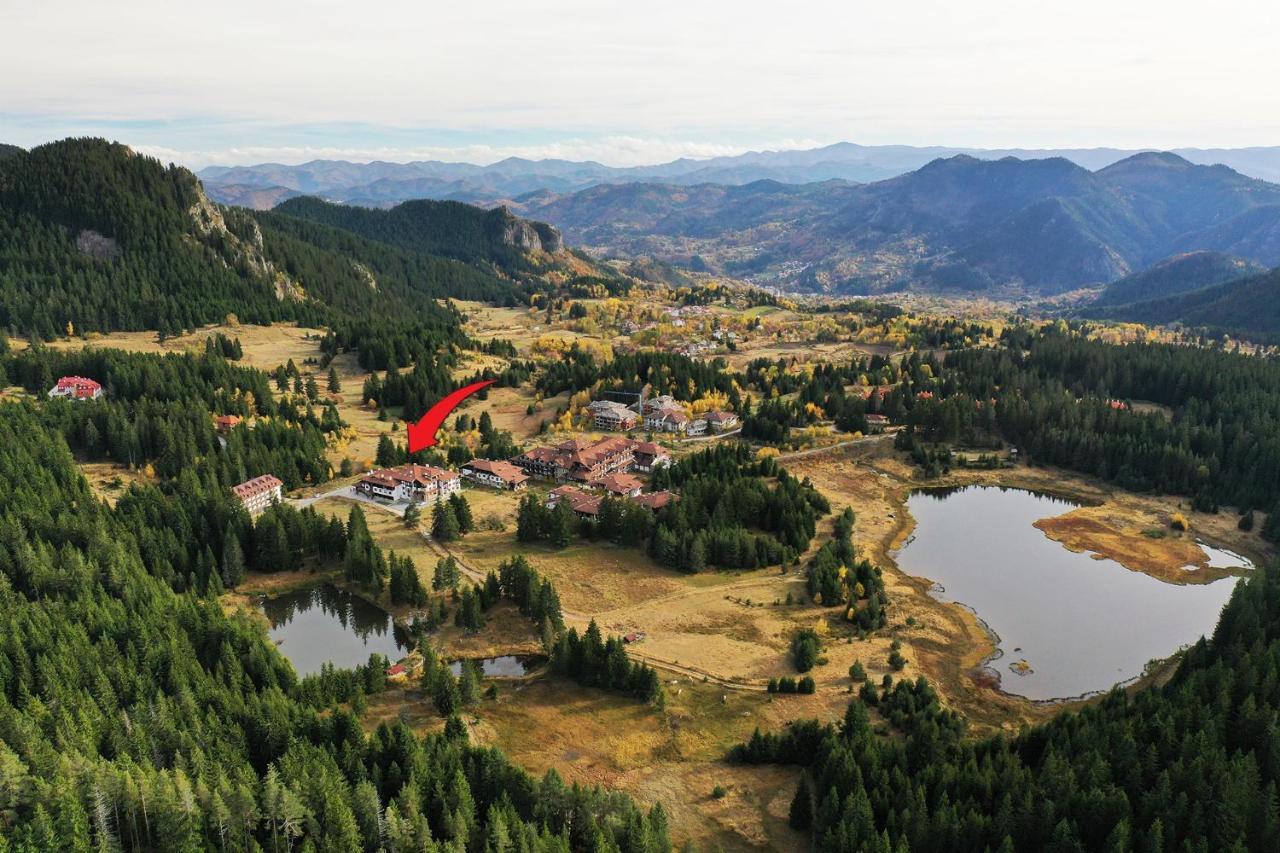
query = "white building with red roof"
x=259 y=493
x=423 y=483
x=495 y=473
x=76 y=388
x=671 y=419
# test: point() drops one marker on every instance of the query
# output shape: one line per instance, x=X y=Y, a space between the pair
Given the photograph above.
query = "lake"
x=323 y=624
x=503 y=666
x=1080 y=624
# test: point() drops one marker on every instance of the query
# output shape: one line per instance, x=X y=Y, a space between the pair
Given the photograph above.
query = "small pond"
x=1066 y=624
x=324 y=624
x=505 y=666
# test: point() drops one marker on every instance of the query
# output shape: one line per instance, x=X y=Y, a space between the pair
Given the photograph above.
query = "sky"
x=629 y=83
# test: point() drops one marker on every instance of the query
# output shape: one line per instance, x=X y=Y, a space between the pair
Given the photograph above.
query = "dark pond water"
x=1081 y=625
x=324 y=624
x=505 y=666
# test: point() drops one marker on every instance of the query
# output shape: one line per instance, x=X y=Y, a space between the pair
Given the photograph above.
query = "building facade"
x=421 y=483
x=259 y=493
x=76 y=388
x=578 y=460
x=495 y=474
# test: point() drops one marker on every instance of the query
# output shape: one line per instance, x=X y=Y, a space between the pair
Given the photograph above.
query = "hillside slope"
x=1175 y=275
x=446 y=228
x=94 y=237
x=1244 y=308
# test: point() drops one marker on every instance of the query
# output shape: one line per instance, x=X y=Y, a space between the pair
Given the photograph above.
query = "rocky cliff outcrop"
x=525 y=234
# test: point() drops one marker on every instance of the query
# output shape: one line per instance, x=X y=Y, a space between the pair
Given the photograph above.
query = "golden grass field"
x=110 y=481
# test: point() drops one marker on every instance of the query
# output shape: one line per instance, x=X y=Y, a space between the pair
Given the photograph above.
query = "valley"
x=715 y=637
x=702 y=548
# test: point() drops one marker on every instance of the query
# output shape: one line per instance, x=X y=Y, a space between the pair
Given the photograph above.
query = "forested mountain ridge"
x=446 y=228
x=965 y=224
x=94 y=237
x=1178 y=274
x=1246 y=307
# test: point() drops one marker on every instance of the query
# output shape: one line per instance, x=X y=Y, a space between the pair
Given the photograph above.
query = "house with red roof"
x=423 y=483
x=76 y=388
x=259 y=493
x=619 y=485
x=226 y=423
x=495 y=473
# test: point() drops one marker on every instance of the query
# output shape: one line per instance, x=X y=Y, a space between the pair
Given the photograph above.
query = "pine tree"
x=446 y=574
x=233 y=569
x=334 y=384
x=801 y=815
x=462 y=511
x=444 y=524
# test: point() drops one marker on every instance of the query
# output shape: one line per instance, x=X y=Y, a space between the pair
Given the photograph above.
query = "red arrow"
x=423 y=434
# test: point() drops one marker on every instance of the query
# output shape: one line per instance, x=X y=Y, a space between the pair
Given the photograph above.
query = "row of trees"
x=837 y=577
x=729 y=516
x=593 y=661
x=1063 y=400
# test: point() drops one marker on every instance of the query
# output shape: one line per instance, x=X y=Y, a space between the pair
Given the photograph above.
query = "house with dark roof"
x=649 y=456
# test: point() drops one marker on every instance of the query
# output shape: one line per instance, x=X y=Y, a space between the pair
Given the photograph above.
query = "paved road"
x=710 y=436
x=349 y=493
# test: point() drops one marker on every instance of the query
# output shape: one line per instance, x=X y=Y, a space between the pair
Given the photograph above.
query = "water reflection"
x=504 y=666
x=1067 y=624
x=324 y=624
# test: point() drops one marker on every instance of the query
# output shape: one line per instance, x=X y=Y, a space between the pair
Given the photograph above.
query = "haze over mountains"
x=381 y=184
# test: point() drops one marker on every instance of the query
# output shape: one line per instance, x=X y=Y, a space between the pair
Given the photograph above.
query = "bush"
x=805 y=646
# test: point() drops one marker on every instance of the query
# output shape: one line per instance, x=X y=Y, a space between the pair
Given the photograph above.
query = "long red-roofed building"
x=76 y=388
x=578 y=460
x=424 y=483
x=259 y=493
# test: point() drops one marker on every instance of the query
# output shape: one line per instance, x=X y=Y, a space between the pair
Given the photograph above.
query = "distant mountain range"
x=1009 y=226
x=382 y=184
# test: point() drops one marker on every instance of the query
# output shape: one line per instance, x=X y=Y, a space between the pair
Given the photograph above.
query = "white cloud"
x=609 y=150
x=596 y=73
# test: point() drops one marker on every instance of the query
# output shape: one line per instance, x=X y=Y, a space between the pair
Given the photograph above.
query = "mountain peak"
x=1150 y=160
